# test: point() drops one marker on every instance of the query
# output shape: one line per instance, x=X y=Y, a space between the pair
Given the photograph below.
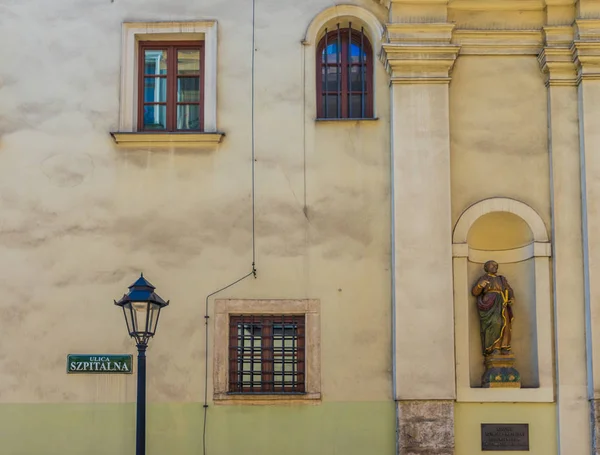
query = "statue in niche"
x=494 y=302
x=495 y=298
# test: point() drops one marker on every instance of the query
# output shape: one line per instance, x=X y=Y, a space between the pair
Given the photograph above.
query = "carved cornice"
x=559 y=35
x=419 y=52
x=587 y=29
x=558 y=66
x=586 y=55
x=414 y=63
x=498 y=42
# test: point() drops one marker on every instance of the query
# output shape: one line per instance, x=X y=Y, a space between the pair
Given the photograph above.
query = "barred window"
x=344 y=74
x=266 y=353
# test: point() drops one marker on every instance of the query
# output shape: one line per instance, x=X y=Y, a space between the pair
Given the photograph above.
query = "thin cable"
x=253 y=272
x=206 y=318
x=252 y=118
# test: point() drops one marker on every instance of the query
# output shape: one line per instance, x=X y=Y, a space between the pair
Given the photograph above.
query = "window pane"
x=330 y=53
x=355 y=107
x=188 y=89
x=155 y=61
x=155 y=117
x=188 y=117
x=356 y=78
x=331 y=106
x=188 y=61
x=356 y=54
x=155 y=90
x=333 y=79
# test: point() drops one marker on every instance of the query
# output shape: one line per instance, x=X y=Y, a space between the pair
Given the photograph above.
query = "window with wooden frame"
x=171 y=86
x=344 y=74
x=267 y=353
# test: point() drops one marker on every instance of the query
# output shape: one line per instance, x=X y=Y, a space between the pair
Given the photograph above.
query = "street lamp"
x=141 y=307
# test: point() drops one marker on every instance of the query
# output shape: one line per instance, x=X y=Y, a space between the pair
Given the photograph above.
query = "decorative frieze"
x=498 y=42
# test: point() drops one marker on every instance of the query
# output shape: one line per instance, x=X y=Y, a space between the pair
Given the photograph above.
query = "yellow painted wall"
x=541 y=418
x=81 y=218
x=499 y=132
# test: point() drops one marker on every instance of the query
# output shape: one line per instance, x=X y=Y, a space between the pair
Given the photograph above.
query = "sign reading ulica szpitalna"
x=99 y=363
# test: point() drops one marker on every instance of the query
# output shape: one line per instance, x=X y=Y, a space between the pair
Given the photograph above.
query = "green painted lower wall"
x=176 y=429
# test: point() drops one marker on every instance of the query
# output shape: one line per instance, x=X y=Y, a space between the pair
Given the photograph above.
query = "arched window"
x=344 y=74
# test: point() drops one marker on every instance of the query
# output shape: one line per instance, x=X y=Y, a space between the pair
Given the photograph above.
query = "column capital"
x=558 y=66
x=586 y=55
x=419 y=52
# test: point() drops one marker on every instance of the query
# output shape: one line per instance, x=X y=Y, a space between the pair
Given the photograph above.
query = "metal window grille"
x=266 y=353
x=345 y=88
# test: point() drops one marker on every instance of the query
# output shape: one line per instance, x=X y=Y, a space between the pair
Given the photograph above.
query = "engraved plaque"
x=504 y=436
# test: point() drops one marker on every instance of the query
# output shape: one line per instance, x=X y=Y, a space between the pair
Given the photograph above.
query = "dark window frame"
x=269 y=355
x=171 y=77
x=345 y=36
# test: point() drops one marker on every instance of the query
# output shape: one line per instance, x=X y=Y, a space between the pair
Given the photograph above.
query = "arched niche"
x=513 y=234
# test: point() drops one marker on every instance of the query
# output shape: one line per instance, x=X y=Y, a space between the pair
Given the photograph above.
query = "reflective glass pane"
x=188 y=61
x=188 y=89
x=330 y=53
x=155 y=89
x=331 y=106
x=332 y=81
x=356 y=54
x=355 y=107
x=155 y=117
x=357 y=73
x=188 y=117
x=155 y=61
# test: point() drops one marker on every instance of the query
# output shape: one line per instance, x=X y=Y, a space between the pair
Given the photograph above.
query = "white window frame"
x=134 y=32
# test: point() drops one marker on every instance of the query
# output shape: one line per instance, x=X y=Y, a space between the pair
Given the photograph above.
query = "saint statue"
x=494 y=302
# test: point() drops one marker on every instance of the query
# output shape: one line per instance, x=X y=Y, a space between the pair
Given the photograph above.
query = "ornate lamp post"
x=141 y=307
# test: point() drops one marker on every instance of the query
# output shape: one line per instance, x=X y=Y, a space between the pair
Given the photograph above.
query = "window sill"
x=267 y=399
x=359 y=119
x=152 y=139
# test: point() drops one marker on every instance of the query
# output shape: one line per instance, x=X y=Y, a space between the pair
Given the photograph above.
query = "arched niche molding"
x=344 y=13
x=525 y=249
x=329 y=18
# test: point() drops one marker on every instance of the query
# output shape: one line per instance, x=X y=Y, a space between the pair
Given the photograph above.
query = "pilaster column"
x=556 y=61
x=586 y=53
x=419 y=58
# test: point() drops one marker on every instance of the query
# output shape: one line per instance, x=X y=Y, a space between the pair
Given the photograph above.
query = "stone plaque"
x=504 y=436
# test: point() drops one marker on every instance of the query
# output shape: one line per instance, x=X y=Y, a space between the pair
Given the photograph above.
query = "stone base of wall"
x=595 y=418
x=426 y=427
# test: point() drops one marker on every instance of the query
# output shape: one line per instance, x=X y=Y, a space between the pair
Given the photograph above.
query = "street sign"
x=99 y=363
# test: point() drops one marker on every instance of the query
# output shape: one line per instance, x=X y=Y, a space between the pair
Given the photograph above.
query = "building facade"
x=315 y=187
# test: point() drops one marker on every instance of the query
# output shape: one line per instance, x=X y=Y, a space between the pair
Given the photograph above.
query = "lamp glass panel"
x=153 y=319
x=128 y=318
x=140 y=311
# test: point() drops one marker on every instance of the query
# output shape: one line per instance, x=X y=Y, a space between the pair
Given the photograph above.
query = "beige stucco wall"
x=81 y=218
x=498 y=131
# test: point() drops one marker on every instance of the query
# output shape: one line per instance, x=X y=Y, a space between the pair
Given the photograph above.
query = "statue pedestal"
x=500 y=372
